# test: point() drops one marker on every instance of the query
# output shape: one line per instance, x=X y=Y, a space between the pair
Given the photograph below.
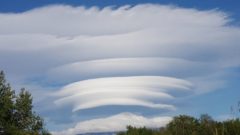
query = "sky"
x=99 y=65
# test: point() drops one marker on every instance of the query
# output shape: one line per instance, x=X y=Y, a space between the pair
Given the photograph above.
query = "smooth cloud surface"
x=138 y=91
x=146 y=55
x=115 y=123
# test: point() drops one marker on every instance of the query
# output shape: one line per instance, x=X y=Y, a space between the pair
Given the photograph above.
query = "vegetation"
x=187 y=125
x=16 y=114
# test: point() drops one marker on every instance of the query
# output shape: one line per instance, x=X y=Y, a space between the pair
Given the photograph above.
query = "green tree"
x=187 y=125
x=27 y=120
x=183 y=125
x=6 y=106
x=16 y=112
x=207 y=125
x=232 y=127
x=138 y=131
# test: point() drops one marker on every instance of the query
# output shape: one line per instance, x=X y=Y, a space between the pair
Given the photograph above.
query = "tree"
x=25 y=118
x=183 y=125
x=16 y=112
x=232 y=127
x=207 y=125
x=138 y=131
x=187 y=125
x=6 y=105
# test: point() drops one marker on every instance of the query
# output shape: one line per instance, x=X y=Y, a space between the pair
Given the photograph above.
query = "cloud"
x=115 y=123
x=145 y=55
x=82 y=21
x=74 y=37
x=131 y=66
x=138 y=91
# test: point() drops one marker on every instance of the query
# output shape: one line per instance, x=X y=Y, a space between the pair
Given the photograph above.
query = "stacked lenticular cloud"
x=137 y=90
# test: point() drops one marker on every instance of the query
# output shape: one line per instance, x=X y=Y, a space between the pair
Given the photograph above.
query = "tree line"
x=16 y=112
x=188 y=125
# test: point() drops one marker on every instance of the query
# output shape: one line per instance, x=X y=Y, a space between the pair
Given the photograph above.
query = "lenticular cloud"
x=135 y=91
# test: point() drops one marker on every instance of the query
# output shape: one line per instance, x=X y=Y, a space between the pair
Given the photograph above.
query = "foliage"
x=16 y=114
x=187 y=125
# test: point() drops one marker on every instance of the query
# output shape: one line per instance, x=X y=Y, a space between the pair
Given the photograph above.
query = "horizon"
x=90 y=63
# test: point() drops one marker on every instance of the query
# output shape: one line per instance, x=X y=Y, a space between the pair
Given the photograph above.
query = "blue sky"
x=96 y=62
x=23 y=5
x=232 y=6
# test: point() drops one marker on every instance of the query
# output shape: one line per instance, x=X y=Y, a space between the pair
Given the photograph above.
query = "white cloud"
x=132 y=66
x=66 y=20
x=115 y=123
x=137 y=90
x=141 y=31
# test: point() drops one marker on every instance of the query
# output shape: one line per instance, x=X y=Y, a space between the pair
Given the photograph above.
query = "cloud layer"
x=138 y=91
x=115 y=123
x=144 y=55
